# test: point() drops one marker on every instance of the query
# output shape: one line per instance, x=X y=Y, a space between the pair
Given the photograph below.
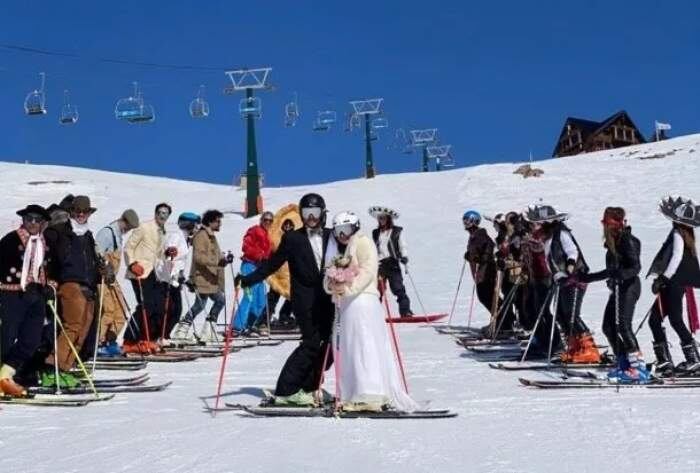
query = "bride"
x=366 y=368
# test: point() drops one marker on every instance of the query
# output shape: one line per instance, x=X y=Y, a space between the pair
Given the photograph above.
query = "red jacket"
x=256 y=245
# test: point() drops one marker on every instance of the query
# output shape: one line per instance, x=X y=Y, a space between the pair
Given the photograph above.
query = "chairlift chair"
x=318 y=126
x=353 y=121
x=147 y=115
x=327 y=117
x=379 y=123
x=250 y=106
x=130 y=108
x=69 y=112
x=35 y=102
x=199 y=107
x=291 y=113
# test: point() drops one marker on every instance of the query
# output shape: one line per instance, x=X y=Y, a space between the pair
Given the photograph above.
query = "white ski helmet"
x=346 y=224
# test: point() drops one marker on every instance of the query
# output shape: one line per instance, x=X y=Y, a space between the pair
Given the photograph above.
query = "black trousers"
x=672 y=303
x=621 y=335
x=390 y=270
x=172 y=298
x=286 y=309
x=22 y=315
x=539 y=300
x=484 y=292
x=304 y=367
x=153 y=303
x=566 y=312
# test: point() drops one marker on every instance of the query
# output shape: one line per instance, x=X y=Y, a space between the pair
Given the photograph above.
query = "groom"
x=305 y=251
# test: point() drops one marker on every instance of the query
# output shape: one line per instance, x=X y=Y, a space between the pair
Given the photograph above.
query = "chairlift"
x=35 y=102
x=327 y=117
x=69 y=112
x=353 y=121
x=199 y=108
x=379 y=123
x=147 y=115
x=318 y=126
x=130 y=108
x=250 y=106
x=291 y=112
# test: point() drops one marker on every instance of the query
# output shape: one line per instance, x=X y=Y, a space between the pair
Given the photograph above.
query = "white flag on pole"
x=662 y=126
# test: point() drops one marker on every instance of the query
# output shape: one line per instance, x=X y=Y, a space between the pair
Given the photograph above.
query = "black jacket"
x=394 y=247
x=557 y=256
x=688 y=272
x=73 y=258
x=306 y=278
x=11 y=261
x=625 y=262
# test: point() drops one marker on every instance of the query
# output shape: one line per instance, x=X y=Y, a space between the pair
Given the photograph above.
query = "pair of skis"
x=330 y=412
x=655 y=383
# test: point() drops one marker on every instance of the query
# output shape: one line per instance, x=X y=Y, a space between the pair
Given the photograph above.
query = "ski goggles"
x=314 y=212
x=33 y=218
x=344 y=231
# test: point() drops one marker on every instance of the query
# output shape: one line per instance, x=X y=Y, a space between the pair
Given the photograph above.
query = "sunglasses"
x=314 y=212
x=33 y=218
x=344 y=231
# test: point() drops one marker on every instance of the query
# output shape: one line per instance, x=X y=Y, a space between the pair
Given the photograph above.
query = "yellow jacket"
x=144 y=247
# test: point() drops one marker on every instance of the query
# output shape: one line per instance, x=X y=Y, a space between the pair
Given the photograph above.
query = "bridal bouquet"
x=340 y=275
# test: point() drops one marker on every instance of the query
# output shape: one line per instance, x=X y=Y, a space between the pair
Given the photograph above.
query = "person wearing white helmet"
x=368 y=373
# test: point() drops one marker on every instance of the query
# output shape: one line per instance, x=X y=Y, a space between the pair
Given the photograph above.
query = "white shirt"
x=384 y=242
x=570 y=250
x=316 y=240
x=167 y=270
x=676 y=256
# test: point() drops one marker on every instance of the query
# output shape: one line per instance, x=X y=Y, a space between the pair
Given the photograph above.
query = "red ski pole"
x=394 y=338
x=227 y=344
x=144 y=316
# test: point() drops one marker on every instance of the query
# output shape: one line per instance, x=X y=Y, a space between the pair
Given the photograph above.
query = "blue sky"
x=496 y=78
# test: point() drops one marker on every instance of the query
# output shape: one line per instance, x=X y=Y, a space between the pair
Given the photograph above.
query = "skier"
x=170 y=273
x=207 y=276
x=480 y=255
x=304 y=250
x=286 y=319
x=23 y=283
x=391 y=247
x=256 y=249
x=368 y=374
x=565 y=259
x=142 y=250
x=508 y=260
x=674 y=268
x=109 y=241
x=621 y=272
x=72 y=249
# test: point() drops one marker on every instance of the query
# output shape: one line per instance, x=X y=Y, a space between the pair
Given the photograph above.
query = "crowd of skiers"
x=535 y=267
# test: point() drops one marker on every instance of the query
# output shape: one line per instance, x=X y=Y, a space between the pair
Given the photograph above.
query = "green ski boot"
x=66 y=380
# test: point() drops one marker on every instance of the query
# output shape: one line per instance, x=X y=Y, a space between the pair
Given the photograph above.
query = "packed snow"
x=501 y=427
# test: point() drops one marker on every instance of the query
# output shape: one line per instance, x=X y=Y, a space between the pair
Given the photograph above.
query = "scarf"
x=692 y=308
x=79 y=229
x=33 y=260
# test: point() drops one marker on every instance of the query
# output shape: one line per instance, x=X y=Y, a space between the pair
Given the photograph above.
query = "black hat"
x=544 y=213
x=82 y=202
x=67 y=202
x=34 y=209
x=680 y=210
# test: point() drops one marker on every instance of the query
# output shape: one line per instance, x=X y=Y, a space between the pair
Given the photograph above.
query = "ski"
x=331 y=413
x=536 y=366
x=164 y=357
x=24 y=401
x=656 y=383
x=136 y=381
x=483 y=342
x=84 y=390
x=415 y=319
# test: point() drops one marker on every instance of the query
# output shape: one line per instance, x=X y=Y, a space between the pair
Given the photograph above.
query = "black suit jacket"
x=306 y=278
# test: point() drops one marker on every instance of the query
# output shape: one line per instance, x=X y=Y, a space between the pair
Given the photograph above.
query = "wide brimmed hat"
x=82 y=202
x=377 y=210
x=34 y=209
x=680 y=210
x=544 y=214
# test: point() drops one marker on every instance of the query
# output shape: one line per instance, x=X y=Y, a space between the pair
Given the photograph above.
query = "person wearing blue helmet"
x=480 y=256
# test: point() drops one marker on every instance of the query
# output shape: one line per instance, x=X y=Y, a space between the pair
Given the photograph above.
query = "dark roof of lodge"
x=590 y=127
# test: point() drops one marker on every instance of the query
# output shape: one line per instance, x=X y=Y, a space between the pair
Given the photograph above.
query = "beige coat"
x=206 y=274
x=363 y=253
x=144 y=247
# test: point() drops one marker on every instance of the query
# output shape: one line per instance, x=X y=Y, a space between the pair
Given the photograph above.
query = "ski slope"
x=501 y=427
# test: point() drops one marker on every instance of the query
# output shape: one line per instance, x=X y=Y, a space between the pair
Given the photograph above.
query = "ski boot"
x=299 y=399
x=637 y=372
x=182 y=329
x=664 y=363
x=251 y=332
x=8 y=386
x=622 y=365
x=110 y=349
x=65 y=380
x=572 y=346
x=587 y=350
x=692 y=359
x=208 y=333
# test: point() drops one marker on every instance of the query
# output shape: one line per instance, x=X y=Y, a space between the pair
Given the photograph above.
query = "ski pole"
x=495 y=299
x=540 y=316
x=73 y=349
x=459 y=285
x=227 y=344
x=617 y=328
x=167 y=301
x=471 y=304
x=551 y=333
x=98 y=325
x=394 y=338
x=646 y=316
x=336 y=360
x=420 y=302
x=55 y=346
x=322 y=376
x=502 y=312
x=144 y=314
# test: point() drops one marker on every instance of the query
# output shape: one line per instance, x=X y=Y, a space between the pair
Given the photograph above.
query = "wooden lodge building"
x=583 y=136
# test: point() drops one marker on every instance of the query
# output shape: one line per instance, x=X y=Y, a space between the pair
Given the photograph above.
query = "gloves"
x=237 y=280
x=404 y=260
x=501 y=263
x=659 y=283
x=136 y=269
x=181 y=278
x=229 y=258
x=570 y=266
x=190 y=285
x=170 y=252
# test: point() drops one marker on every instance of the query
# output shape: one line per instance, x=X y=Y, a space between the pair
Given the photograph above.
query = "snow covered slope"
x=501 y=428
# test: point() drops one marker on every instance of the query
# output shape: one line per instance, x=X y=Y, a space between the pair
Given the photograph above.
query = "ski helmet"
x=345 y=224
x=681 y=211
x=471 y=218
x=188 y=220
x=313 y=201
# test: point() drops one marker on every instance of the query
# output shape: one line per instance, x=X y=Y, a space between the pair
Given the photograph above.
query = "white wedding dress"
x=366 y=364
